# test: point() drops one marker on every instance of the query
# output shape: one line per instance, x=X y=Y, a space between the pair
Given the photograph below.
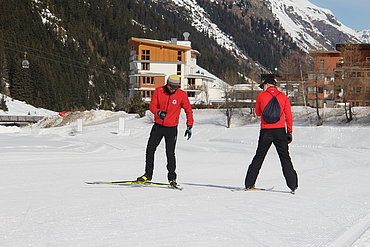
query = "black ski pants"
x=279 y=138
x=170 y=137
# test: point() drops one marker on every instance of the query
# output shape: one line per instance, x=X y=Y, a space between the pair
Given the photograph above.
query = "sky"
x=352 y=13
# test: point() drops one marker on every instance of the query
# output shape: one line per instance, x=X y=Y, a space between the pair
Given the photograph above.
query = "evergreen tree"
x=3 y=105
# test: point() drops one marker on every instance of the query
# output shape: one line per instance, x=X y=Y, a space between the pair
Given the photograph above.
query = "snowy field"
x=45 y=201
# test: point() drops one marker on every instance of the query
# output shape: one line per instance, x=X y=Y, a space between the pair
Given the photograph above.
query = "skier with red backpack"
x=274 y=109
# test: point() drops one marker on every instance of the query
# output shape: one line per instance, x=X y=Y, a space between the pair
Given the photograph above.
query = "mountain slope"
x=312 y=27
x=79 y=53
x=245 y=28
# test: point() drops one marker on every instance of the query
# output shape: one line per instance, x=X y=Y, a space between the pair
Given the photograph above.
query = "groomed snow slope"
x=45 y=201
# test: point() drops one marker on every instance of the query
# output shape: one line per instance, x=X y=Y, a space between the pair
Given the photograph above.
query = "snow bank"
x=16 y=107
x=92 y=117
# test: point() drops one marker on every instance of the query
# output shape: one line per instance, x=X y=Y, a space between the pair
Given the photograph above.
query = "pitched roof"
x=158 y=43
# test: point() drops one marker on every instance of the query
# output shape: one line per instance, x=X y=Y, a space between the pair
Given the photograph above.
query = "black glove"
x=289 y=136
x=188 y=131
x=161 y=114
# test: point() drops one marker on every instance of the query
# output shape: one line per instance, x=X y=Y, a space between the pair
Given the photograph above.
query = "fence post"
x=79 y=125
x=121 y=125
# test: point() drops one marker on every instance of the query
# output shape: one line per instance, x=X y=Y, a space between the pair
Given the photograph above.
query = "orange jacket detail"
x=171 y=104
x=286 y=120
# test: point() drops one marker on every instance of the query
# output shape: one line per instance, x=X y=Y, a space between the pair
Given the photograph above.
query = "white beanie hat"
x=174 y=81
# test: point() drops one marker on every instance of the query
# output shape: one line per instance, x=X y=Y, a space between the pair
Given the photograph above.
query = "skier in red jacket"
x=166 y=104
x=278 y=133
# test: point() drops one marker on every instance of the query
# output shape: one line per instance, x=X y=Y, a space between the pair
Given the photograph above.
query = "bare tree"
x=315 y=72
x=254 y=77
x=286 y=71
x=232 y=78
x=349 y=80
x=205 y=91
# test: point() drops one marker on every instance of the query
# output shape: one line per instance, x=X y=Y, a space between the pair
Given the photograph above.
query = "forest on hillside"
x=78 y=49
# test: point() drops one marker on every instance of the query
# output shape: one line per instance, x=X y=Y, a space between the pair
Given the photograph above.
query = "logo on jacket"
x=174 y=102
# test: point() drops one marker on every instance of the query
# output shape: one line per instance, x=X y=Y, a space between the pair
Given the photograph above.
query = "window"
x=359 y=74
x=320 y=77
x=146 y=94
x=191 y=83
x=179 y=69
x=148 y=80
x=368 y=90
x=311 y=77
x=145 y=54
x=322 y=64
x=145 y=66
x=338 y=74
x=358 y=89
x=191 y=94
x=368 y=74
x=320 y=89
x=368 y=60
x=179 y=56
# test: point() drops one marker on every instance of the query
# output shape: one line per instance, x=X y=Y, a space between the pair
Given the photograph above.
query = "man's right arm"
x=288 y=115
x=153 y=107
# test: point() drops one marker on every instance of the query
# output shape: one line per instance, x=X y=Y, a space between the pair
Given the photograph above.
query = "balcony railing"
x=193 y=87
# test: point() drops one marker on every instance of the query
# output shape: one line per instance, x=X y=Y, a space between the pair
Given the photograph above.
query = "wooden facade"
x=152 y=61
x=149 y=50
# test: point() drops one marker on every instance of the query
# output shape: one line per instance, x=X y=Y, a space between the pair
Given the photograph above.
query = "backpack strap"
x=272 y=94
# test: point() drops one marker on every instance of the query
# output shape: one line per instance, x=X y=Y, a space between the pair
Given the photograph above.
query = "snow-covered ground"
x=45 y=201
x=16 y=107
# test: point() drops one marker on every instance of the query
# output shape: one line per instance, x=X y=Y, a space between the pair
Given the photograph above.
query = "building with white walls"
x=152 y=61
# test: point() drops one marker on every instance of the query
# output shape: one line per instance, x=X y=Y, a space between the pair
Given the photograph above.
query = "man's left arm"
x=185 y=103
x=188 y=110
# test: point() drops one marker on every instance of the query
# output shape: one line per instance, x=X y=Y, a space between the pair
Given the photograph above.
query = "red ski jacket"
x=286 y=120
x=171 y=104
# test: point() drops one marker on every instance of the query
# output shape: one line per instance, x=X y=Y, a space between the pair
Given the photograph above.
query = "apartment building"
x=152 y=61
x=352 y=74
x=340 y=77
x=320 y=82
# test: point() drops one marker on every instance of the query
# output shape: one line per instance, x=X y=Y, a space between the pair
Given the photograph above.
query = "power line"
x=87 y=66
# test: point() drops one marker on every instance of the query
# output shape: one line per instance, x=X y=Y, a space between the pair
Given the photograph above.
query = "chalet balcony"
x=193 y=87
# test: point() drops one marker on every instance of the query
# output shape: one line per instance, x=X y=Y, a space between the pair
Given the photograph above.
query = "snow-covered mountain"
x=199 y=19
x=310 y=26
x=313 y=27
x=365 y=36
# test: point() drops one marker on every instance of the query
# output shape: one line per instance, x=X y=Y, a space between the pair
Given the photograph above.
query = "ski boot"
x=143 y=179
